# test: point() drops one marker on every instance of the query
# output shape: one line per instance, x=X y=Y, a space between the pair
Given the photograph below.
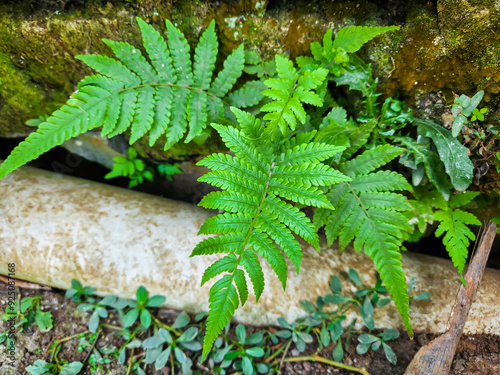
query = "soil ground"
x=475 y=354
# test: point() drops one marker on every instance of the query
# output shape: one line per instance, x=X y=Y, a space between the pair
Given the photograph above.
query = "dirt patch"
x=479 y=354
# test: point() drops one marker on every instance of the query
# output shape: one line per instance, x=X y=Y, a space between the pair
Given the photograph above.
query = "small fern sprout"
x=453 y=222
x=168 y=94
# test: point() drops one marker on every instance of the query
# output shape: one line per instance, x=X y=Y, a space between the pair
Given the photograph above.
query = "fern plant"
x=270 y=173
x=454 y=222
x=168 y=95
x=430 y=207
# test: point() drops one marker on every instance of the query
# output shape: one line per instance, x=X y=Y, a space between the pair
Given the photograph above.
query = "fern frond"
x=265 y=247
x=233 y=66
x=246 y=96
x=282 y=236
x=309 y=153
x=231 y=201
x=288 y=91
x=369 y=212
x=163 y=93
x=380 y=181
x=85 y=113
x=261 y=183
x=453 y=222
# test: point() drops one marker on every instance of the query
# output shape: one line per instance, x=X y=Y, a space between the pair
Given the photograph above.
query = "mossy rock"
x=449 y=47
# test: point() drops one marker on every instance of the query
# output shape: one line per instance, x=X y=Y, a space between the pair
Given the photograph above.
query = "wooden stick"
x=24 y=284
x=436 y=357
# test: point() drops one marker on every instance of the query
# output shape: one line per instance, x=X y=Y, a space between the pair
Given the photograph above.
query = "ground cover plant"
x=149 y=344
x=296 y=146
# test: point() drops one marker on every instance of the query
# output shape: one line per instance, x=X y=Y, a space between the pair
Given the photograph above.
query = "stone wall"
x=443 y=47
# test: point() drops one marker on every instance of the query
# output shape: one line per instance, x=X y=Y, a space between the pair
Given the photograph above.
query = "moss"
x=19 y=98
x=449 y=47
x=448 y=50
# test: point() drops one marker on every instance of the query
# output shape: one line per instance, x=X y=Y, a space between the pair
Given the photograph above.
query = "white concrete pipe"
x=56 y=228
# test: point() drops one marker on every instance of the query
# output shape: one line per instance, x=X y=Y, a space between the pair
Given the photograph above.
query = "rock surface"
x=445 y=47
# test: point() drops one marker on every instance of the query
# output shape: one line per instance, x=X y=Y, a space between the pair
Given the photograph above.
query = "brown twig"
x=24 y=284
x=317 y=358
x=436 y=357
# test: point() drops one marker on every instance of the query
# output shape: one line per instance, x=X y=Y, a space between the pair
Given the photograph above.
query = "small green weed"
x=136 y=169
x=150 y=343
x=27 y=313
x=132 y=167
x=465 y=107
x=41 y=367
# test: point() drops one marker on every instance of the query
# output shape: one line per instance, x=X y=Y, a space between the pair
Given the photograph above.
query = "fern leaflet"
x=163 y=95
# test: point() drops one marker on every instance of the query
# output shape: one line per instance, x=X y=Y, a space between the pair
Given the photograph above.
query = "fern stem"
x=317 y=358
x=359 y=201
x=259 y=209
x=278 y=351
x=173 y=85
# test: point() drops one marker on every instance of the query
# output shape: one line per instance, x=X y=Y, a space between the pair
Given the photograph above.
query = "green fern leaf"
x=204 y=64
x=158 y=52
x=453 y=222
x=309 y=153
x=155 y=95
x=246 y=96
x=162 y=114
x=231 y=201
x=380 y=181
x=258 y=220
x=241 y=284
x=371 y=160
x=461 y=199
x=230 y=181
x=86 y=112
x=296 y=192
x=282 y=236
x=352 y=38
x=309 y=174
x=288 y=92
x=264 y=246
x=368 y=211
x=293 y=218
x=233 y=67
x=204 y=58
x=110 y=68
x=133 y=59
x=228 y=243
x=144 y=115
x=226 y=223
